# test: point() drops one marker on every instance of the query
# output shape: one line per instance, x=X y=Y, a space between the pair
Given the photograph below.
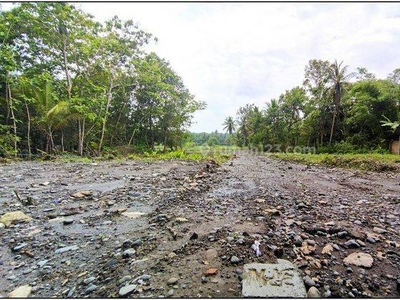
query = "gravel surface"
x=186 y=229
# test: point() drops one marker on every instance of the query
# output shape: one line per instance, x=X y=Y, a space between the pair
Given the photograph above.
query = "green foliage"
x=368 y=162
x=6 y=142
x=73 y=84
x=329 y=113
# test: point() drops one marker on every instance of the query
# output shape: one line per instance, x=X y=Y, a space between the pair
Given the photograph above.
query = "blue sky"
x=230 y=54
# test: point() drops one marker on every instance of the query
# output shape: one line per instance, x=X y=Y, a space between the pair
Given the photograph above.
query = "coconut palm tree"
x=338 y=76
x=229 y=125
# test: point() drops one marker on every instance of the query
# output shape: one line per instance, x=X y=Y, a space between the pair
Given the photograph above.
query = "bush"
x=6 y=142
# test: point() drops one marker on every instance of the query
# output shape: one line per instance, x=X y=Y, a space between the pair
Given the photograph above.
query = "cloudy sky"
x=230 y=54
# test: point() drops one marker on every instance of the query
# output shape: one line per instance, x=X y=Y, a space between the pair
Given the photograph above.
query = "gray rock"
x=352 y=244
x=111 y=263
x=371 y=240
x=128 y=253
x=68 y=221
x=145 y=277
x=91 y=288
x=361 y=243
x=342 y=234
x=327 y=294
x=89 y=280
x=19 y=247
x=125 y=279
x=71 y=292
x=126 y=290
x=281 y=280
x=235 y=259
x=298 y=241
x=137 y=243
x=310 y=242
x=65 y=249
x=313 y=292
x=42 y=263
x=308 y=281
x=170 y=293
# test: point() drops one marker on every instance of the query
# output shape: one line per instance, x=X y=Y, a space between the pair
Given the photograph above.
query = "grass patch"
x=368 y=162
x=182 y=155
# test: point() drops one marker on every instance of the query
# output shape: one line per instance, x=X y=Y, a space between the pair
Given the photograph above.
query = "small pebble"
x=145 y=277
x=172 y=280
x=235 y=259
x=308 y=281
x=68 y=221
x=90 y=289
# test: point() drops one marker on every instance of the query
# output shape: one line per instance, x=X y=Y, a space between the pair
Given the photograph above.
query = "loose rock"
x=172 y=280
x=126 y=290
x=359 y=259
x=235 y=259
x=313 y=292
x=14 y=217
x=21 y=292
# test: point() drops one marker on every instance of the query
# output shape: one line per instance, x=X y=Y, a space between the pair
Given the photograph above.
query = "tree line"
x=335 y=110
x=69 y=83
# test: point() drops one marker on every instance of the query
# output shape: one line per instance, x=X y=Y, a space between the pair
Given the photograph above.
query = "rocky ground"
x=185 y=229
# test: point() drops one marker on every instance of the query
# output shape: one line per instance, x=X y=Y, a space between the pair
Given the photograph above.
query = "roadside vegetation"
x=336 y=110
x=71 y=86
x=367 y=162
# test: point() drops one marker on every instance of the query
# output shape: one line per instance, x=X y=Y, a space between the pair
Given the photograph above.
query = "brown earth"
x=185 y=229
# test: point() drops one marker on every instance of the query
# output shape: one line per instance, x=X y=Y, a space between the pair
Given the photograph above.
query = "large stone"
x=126 y=290
x=14 y=217
x=281 y=280
x=21 y=292
x=359 y=259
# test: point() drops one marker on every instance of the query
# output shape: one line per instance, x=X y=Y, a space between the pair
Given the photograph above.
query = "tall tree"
x=338 y=76
x=316 y=83
x=229 y=125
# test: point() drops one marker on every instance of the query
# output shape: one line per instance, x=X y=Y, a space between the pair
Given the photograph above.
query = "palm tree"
x=338 y=76
x=229 y=125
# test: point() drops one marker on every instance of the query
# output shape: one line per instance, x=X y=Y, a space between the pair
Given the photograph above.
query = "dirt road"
x=185 y=229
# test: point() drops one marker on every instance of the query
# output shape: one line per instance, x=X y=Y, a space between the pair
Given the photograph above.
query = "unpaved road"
x=154 y=229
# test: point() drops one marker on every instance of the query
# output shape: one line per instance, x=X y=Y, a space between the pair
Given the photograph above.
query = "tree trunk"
x=333 y=126
x=64 y=52
x=10 y=103
x=81 y=134
x=62 y=141
x=29 y=130
x=109 y=98
x=165 y=139
x=151 y=133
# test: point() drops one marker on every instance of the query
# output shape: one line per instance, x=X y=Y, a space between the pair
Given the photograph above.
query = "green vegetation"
x=69 y=84
x=330 y=112
x=369 y=162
